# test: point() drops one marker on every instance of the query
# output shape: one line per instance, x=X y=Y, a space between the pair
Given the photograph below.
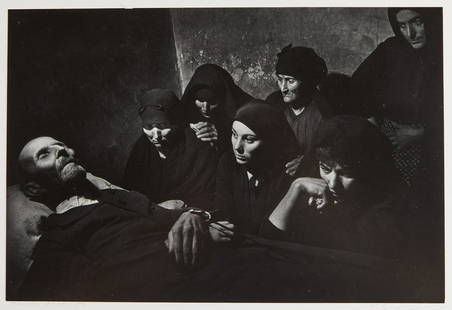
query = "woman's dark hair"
x=355 y=142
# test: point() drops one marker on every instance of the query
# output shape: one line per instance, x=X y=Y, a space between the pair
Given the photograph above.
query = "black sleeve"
x=138 y=203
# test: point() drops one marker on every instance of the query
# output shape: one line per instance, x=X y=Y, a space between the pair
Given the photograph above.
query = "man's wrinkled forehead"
x=33 y=147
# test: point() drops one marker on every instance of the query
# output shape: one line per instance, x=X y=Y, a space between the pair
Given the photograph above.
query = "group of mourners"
x=289 y=198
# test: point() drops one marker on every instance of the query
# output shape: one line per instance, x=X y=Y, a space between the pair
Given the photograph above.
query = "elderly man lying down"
x=115 y=245
x=91 y=230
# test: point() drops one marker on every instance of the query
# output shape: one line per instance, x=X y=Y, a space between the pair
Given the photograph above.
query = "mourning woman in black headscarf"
x=168 y=163
x=358 y=204
x=399 y=86
x=210 y=101
x=251 y=177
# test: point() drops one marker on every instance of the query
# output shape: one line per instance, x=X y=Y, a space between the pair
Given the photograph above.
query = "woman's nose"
x=332 y=180
x=283 y=85
x=238 y=146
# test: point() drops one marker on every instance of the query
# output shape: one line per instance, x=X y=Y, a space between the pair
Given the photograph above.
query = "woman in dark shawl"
x=168 y=162
x=360 y=202
x=210 y=101
x=251 y=177
x=399 y=86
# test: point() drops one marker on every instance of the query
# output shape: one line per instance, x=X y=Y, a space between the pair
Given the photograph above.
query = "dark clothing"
x=79 y=249
x=245 y=205
x=371 y=229
x=247 y=202
x=188 y=172
x=114 y=251
x=397 y=83
x=305 y=124
x=227 y=94
x=304 y=127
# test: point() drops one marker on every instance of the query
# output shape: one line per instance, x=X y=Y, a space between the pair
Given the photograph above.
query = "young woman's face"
x=206 y=108
x=245 y=143
x=341 y=180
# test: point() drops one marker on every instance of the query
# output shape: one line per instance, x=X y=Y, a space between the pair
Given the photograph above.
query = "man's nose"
x=62 y=151
x=411 y=31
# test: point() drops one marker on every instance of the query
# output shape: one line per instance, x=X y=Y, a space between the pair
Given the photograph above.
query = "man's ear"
x=32 y=189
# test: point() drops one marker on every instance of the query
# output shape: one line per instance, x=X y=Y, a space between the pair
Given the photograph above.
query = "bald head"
x=29 y=152
x=47 y=160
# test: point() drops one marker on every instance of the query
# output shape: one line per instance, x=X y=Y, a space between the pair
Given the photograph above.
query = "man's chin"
x=72 y=173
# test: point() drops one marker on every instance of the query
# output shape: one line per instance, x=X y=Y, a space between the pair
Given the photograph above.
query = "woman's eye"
x=43 y=155
x=250 y=140
x=234 y=135
x=325 y=169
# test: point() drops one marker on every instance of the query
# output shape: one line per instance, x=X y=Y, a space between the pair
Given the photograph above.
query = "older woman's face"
x=157 y=133
x=245 y=143
x=341 y=180
x=412 y=28
x=206 y=108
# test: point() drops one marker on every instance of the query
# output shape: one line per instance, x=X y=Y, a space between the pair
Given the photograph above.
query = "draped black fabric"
x=188 y=172
x=401 y=84
x=114 y=251
x=227 y=94
x=245 y=204
x=80 y=249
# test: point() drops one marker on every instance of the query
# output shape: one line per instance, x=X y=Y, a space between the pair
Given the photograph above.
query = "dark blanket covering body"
x=98 y=251
x=114 y=251
x=188 y=172
x=244 y=204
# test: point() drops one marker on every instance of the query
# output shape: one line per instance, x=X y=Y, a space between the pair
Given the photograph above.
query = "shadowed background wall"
x=74 y=74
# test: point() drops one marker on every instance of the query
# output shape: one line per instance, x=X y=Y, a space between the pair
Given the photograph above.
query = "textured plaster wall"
x=245 y=41
x=74 y=75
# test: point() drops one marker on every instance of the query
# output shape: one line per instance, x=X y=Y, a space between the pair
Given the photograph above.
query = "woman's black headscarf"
x=160 y=106
x=432 y=22
x=270 y=125
x=212 y=82
x=302 y=63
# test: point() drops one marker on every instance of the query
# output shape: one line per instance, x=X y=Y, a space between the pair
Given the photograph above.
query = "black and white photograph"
x=214 y=154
